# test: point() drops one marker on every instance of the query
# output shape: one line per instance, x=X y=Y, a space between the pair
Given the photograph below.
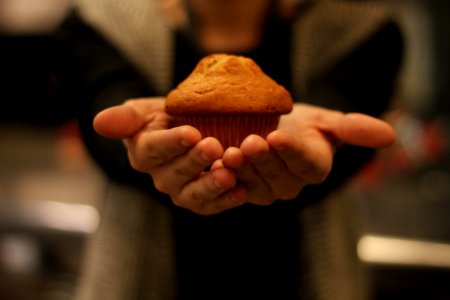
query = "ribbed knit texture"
x=139 y=30
x=131 y=255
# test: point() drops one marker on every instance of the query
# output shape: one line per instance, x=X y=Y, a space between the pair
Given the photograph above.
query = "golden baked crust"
x=227 y=84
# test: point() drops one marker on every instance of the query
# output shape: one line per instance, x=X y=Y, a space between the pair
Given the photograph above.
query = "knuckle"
x=203 y=211
x=315 y=171
x=182 y=172
x=160 y=185
x=192 y=200
x=135 y=164
x=153 y=154
x=265 y=201
x=193 y=204
x=177 y=201
x=319 y=178
x=145 y=151
x=321 y=173
x=197 y=162
x=271 y=174
x=196 y=198
x=289 y=194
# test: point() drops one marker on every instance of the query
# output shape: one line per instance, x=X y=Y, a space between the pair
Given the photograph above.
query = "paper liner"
x=231 y=130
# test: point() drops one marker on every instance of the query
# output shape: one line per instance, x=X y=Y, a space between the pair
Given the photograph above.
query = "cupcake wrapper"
x=231 y=130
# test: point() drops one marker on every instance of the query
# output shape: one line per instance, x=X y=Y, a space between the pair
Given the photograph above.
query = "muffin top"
x=225 y=84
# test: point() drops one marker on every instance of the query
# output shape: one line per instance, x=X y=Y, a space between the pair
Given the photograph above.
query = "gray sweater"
x=133 y=254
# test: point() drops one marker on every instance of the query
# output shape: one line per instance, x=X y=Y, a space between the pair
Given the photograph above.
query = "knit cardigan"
x=131 y=255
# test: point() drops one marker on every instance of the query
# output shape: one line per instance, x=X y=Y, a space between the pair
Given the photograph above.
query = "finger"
x=217 y=164
x=171 y=177
x=258 y=191
x=308 y=157
x=363 y=130
x=358 y=129
x=271 y=168
x=211 y=193
x=123 y=121
x=233 y=158
x=151 y=148
x=118 y=122
x=254 y=145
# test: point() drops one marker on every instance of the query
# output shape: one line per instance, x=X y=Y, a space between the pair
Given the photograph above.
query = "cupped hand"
x=300 y=152
x=175 y=158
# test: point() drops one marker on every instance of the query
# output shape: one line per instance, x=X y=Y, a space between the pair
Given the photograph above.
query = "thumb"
x=118 y=122
x=366 y=131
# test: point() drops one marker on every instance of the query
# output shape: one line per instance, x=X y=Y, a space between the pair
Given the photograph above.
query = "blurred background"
x=51 y=191
x=49 y=188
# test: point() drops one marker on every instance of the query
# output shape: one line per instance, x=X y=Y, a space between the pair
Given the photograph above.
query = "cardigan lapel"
x=327 y=32
x=322 y=35
x=139 y=31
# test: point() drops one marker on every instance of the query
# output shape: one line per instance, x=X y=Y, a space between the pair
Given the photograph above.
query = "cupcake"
x=228 y=97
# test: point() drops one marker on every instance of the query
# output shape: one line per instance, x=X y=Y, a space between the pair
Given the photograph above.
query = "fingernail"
x=237 y=201
x=217 y=183
x=238 y=196
x=205 y=157
x=185 y=143
x=234 y=199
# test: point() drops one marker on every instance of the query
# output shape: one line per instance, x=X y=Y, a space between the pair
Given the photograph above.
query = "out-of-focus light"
x=51 y=215
x=66 y=217
x=398 y=251
x=19 y=254
x=31 y=16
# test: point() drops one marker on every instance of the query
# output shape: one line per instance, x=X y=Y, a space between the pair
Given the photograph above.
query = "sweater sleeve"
x=97 y=76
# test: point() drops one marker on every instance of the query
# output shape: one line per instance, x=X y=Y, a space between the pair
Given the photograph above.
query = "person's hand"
x=174 y=157
x=300 y=152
